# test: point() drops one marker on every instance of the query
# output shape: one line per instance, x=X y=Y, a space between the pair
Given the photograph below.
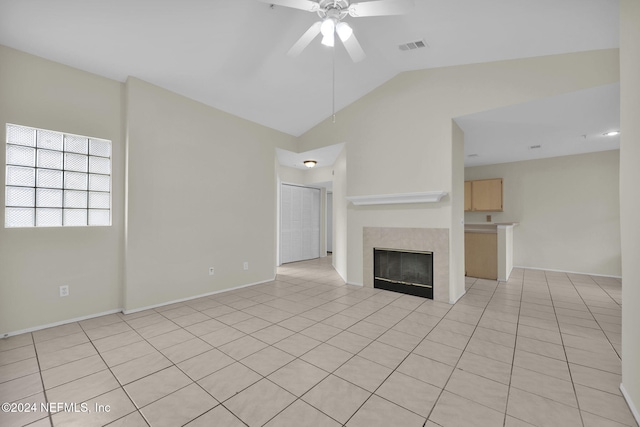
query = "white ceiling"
x=325 y=156
x=573 y=123
x=231 y=54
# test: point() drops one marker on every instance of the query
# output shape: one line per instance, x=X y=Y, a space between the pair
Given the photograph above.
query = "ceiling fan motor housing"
x=336 y=9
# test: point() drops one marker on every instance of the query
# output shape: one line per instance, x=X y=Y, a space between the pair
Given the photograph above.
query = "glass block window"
x=55 y=179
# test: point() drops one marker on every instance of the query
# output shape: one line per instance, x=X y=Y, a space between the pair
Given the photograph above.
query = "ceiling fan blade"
x=308 y=5
x=380 y=8
x=353 y=48
x=306 y=38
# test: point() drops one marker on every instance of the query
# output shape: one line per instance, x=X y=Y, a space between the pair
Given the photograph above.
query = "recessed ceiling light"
x=612 y=133
x=310 y=163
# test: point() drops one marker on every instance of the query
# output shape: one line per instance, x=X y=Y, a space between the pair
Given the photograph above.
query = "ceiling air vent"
x=535 y=147
x=413 y=45
x=472 y=155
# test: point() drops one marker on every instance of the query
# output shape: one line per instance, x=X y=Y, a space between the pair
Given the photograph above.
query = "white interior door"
x=329 y=222
x=299 y=223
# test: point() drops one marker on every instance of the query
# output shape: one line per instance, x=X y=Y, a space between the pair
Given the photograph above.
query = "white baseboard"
x=632 y=407
x=121 y=310
x=355 y=284
x=457 y=299
x=344 y=279
x=566 y=271
x=62 y=322
x=135 y=310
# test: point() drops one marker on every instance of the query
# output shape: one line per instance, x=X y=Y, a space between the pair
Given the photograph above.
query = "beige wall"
x=201 y=192
x=630 y=198
x=310 y=177
x=340 y=235
x=194 y=198
x=568 y=209
x=35 y=262
x=456 y=236
x=318 y=175
x=288 y=175
x=399 y=136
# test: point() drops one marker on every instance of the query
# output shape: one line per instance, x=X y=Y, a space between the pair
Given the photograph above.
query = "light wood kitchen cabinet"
x=467 y=196
x=480 y=255
x=484 y=195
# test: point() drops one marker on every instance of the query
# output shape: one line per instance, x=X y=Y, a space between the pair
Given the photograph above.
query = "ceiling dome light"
x=612 y=133
x=310 y=163
x=344 y=31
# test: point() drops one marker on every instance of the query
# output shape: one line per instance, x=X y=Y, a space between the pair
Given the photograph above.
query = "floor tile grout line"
x=607 y=292
x=358 y=320
x=21 y=376
x=139 y=410
x=194 y=381
x=120 y=385
x=108 y=367
x=581 y=297
x=184 y=373
x=345 y=362
x=595 y=319
x=564 y=349
x=442 y=390
x=513 y=359
x=410 y=353
x=350 y=358
x=44 y=390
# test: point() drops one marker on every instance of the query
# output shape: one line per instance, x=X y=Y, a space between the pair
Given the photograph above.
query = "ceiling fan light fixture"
x=310 y=163
x=328 y=26
x=328 y=40
x=344 y=31
x=328 y=29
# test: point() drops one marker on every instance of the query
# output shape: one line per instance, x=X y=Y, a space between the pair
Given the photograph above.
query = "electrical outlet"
x=246 y=265
x=210 y=271
x=64 y=291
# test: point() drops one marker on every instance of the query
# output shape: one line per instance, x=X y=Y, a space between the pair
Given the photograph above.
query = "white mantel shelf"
x=400 y=198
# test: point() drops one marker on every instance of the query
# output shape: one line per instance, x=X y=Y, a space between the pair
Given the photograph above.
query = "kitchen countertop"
x=487 y=227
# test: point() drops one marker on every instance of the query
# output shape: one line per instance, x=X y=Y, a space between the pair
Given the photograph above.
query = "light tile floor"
x=307 y=350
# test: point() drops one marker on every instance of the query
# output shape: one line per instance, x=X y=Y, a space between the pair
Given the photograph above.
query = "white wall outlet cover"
x=64 y=291
x=211 y=271
x=246 y=265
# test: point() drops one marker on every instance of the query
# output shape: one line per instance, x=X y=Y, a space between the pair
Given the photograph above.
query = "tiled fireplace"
x=417 y=240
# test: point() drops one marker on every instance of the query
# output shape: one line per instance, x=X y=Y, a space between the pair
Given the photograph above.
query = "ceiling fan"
x=332 y=13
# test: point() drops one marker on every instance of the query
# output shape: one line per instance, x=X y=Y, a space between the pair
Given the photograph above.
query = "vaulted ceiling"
x=231 y=54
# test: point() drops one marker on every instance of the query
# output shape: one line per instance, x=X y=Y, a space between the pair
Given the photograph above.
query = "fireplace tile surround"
x=434 y=240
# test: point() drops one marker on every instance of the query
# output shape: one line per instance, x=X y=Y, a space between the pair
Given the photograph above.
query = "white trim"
x=135 y=310
x=355 y=284
x=632 y=407
x=457 y=299
x=400 y=198
x=62 y=322
x=121 y=310
x=568 y=272
x=341 y=276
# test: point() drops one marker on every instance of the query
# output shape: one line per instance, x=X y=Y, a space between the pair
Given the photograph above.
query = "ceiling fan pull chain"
x=333 y=89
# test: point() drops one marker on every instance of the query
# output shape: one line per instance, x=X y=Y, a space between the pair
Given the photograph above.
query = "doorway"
x=299 y=223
